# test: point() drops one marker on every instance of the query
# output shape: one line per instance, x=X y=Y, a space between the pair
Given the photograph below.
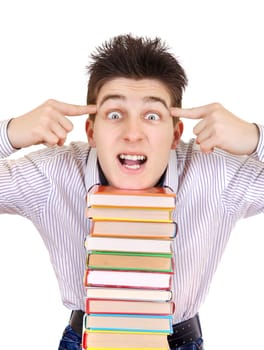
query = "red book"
x=139 y=307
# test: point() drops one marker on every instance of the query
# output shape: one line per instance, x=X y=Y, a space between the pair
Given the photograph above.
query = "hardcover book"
x=128 y=245
x=129 y=261
x=133 y=229
x=124 y=341
x=128 y=323
x=128 y=294
x=137 y=307
x=130 y=213
x=132 y=279
x=159 y=197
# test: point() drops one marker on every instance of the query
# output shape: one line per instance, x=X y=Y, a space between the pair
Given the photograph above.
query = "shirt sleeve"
x=244 y=192
x=24 y=184
x=6 y=149
x=259 y=152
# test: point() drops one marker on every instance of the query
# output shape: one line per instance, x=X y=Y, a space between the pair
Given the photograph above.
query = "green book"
x=112 y=260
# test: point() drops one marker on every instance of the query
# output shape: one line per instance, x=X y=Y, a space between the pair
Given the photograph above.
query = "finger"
x=65 y=123
x=50 y=139
x=61 y=142
x=194 y=113
x=207 y=146
x=199 y=127
x=190 y=113
x=71 y=109
x=204 y=135
x=59 y=131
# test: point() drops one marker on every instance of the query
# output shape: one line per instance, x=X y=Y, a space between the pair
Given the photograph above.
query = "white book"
x=128 y=279
x=128 y=294
x=128 y=244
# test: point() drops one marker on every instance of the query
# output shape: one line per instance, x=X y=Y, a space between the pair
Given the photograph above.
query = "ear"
x=89 y=125
x=178 y=130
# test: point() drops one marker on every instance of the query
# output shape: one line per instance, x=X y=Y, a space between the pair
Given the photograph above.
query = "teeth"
x=135 y=166
x=132 y=157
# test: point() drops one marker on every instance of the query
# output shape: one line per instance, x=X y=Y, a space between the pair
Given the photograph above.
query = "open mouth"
x=132 y=161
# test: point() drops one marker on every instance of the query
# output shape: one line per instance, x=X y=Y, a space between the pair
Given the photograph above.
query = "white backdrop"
x=45 y=47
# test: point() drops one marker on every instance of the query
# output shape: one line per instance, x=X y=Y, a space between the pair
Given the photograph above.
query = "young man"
x=134 y=99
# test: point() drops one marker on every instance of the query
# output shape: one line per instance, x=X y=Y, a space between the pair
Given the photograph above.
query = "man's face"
x=133 y=132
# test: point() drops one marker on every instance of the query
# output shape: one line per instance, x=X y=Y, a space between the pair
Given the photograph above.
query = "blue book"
x=128 y=323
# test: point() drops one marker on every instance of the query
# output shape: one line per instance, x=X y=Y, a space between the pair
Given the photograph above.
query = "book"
x=130 y=213
x=159 y=197
x=137 y=307
x=128 y=323
x=129 y=268
x=133 y=229
x=129 y=261
x=128 y=294
x=124 y=341
x=133 y=279
x=128 y=244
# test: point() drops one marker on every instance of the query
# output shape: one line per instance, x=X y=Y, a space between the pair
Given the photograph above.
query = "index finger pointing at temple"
x=74 y=110
x=191 y=113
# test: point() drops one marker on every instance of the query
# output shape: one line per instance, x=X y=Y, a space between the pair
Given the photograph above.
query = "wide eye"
x=152 y=116
x=114 y=115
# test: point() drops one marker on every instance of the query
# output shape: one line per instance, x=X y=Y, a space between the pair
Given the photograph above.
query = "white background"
x=45 y=46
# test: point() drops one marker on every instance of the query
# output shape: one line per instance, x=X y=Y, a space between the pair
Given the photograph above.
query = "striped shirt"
x=214 y=190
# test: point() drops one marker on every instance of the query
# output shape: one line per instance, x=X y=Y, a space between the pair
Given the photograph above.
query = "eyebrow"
x=123 y=98
x=111 y=97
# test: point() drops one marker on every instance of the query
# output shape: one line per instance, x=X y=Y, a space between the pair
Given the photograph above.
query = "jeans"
x=72 y=341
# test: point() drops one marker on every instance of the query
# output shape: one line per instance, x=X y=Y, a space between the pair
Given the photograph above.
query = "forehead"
x=130 y=89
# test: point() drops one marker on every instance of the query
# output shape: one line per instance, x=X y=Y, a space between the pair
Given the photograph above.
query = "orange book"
x=154 y=197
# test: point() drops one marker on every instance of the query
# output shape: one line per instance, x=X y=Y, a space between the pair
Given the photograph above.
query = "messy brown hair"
x=126 y=56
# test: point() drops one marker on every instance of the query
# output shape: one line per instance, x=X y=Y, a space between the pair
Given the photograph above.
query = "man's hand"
x=220 y=128
x=47 y=124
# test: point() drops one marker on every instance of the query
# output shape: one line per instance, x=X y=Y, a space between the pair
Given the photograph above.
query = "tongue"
x=131 y=162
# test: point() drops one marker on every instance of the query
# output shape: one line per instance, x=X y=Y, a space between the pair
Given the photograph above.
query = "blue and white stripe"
x=49 y=187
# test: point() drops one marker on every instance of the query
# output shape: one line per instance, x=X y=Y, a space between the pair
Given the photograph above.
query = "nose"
x=133 y=130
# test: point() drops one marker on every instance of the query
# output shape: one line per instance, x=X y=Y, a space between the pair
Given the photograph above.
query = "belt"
x=76 y=321
x=183 y=333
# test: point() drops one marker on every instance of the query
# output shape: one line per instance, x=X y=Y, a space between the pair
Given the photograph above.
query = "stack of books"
x=129 y=268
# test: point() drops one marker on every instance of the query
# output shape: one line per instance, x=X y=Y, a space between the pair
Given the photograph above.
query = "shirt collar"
x=171 y=177
x=91 y=173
